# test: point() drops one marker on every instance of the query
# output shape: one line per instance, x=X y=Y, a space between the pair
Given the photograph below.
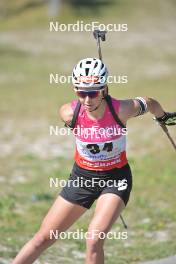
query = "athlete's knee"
x=42 y=238
x=95 y=239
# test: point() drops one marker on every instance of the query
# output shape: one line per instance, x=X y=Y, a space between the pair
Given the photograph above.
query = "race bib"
x=97 y=151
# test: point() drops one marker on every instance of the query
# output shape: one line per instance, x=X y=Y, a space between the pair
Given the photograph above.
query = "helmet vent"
x=96 y=64
x=87 y=71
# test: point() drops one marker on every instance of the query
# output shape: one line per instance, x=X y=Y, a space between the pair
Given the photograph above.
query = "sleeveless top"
x=100 y=143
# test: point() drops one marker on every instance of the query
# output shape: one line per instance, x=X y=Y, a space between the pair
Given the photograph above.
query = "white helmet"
x=90 y=73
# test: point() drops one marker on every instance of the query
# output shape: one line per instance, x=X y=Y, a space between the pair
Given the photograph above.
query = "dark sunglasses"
x=90 y=94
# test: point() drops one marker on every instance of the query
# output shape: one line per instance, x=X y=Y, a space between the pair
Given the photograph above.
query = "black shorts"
x=85 y=186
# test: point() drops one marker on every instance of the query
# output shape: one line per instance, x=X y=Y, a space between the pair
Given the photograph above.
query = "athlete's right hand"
x=168 y=119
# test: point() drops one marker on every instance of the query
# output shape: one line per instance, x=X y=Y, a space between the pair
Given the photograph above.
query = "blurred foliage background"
x=29 y=104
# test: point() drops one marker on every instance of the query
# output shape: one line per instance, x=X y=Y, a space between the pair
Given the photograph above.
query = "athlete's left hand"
x=168 y=119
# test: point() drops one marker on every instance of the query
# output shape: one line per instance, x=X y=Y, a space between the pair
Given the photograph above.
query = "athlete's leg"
x=108 y=208
x=60 y=217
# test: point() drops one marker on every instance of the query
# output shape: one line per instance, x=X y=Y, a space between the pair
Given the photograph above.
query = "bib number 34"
x=94 y=148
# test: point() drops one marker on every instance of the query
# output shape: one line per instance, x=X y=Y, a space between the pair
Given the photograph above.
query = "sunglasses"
x=90 y=94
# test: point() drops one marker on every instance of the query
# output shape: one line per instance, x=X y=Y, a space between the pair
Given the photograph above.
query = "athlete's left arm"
x=141 y=105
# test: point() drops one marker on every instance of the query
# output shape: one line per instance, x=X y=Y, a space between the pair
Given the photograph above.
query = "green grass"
x=29 y=104
x=151 y=198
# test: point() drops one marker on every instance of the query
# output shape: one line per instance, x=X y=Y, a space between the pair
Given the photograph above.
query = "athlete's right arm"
x=66 y=113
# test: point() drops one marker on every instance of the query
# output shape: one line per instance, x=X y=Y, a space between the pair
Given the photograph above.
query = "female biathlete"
x=99 y=125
